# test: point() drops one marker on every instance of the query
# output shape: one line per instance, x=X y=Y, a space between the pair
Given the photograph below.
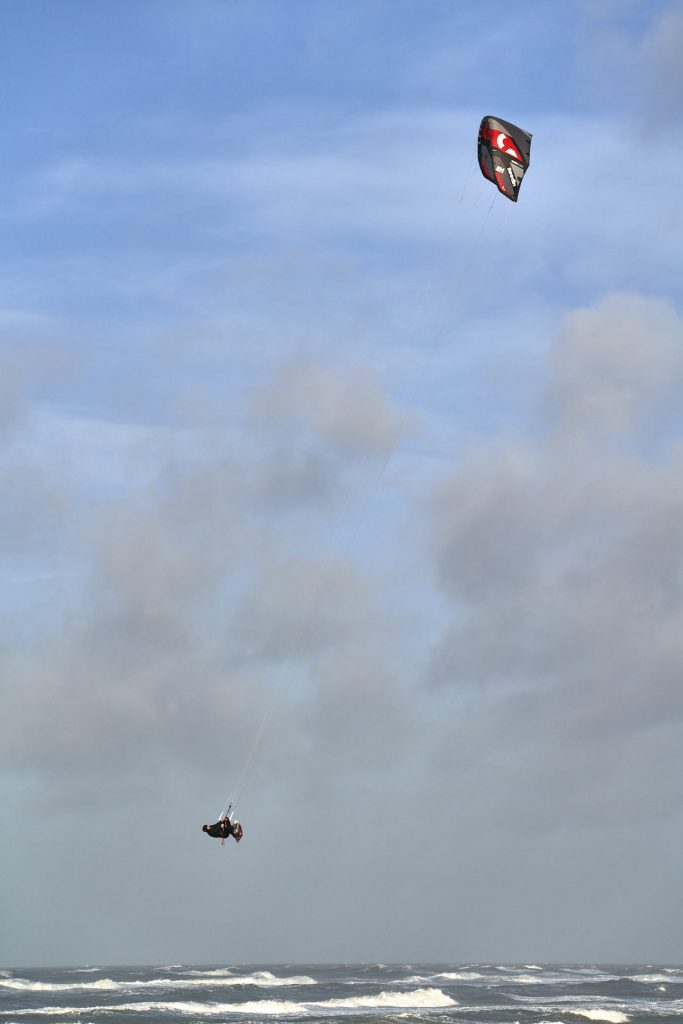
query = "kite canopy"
x=503 y=151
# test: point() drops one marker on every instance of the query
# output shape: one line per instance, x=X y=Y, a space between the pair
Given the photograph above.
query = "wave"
x=24 y=985
x=422 y=999
x=196 y=1009
x=421 y=979
x=527 y=979
x=270 y=1007
x=612 y=1016
x=259 y=979
x=212 y=972
x=266 y=1007
x=224 y=976
x=556 y=977
x=654 y=978
x=459 y=976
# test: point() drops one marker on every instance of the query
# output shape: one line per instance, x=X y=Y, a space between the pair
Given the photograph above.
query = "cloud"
x=193 y=596
x=558 y=575
x=561 y=561
x=630 y=53
x=349 y=414
x=37 y=492
x=660 y=61
x=299 y=604
x=616 y=366
x=11 y=395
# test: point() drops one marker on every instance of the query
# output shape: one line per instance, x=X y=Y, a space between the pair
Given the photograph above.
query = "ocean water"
x=353 y=994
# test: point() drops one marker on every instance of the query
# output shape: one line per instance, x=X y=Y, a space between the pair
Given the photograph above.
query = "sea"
x=348 y=993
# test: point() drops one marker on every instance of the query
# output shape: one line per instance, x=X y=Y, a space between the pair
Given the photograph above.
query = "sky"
x=337 y=485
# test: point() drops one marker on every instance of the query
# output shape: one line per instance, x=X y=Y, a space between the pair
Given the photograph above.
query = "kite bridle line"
x=278 y=690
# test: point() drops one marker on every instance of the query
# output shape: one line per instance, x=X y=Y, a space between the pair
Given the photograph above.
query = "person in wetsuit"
x=224 y=828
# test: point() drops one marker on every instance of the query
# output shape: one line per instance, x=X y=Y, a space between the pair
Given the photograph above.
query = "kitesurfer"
x=224 y=828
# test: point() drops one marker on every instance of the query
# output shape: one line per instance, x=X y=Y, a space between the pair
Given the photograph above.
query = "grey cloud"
x=660 y=59
x=562 y=561
x=299 y=478
x=193 y=598
x=25 y=365
x=37 y=505
x=12 y=401
x=615 y=365
x=362 y=721
x=349 y=413
x=630 y=54
x=36 y=510
x=297 y=604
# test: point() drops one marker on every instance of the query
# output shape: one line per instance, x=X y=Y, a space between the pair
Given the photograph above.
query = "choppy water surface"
x=467 y=993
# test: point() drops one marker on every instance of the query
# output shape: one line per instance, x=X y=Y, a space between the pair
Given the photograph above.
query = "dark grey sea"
x=354 y=994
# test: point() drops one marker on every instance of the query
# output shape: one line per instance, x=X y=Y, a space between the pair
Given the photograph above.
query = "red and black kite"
x=503 y=151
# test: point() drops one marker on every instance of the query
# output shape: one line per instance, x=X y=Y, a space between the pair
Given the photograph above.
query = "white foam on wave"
x=55 y=1011
x=260 y=979
x=654 y=978
x=459 y=976
x=24 y=985
x=224 y=976
x=211 y=972
x=561 y=976
x=525 y=979
x=270 y=1007
x=421 y=998
x=421 y=979
x=418 y=999
x=611 y=1016
x=265 y=1006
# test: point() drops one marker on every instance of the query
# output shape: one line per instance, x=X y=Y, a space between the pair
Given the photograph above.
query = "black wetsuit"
x=221 y=830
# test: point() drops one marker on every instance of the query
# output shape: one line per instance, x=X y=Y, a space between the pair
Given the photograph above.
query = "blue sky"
x=307 y=436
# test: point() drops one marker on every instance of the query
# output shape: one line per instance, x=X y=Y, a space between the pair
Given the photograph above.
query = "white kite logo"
x=504 y=144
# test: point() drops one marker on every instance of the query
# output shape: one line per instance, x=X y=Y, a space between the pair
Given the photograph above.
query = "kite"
x=503 y=151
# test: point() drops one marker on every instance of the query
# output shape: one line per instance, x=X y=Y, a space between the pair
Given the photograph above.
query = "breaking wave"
x=223 y=976
x=23 y=985
x=657 y=978
x=611 y=1016
x=430 y=979
x=419 y=999
x=259 y=979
